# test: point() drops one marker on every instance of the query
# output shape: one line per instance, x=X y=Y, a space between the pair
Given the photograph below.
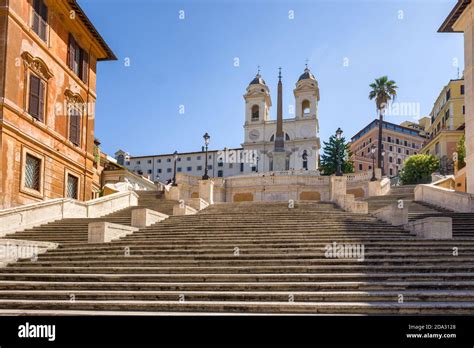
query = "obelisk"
x=279 y=153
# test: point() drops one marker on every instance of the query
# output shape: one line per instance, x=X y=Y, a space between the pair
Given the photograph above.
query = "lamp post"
x=338 y=150
x=206 y=144
x=372 y=150
x=175 y=157
x=255 y=160
x=383 y=162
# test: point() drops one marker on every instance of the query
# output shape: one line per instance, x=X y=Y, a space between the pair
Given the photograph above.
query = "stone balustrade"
x=378 y=187
x=445 y=198
x=393 y=214
x=143 y=217
x=105 y=232
x=187 y=179
x=12 y=250
x=432 y=228
x=197 y=203
x=35 y=214
x=272 y=186
x=183 y=209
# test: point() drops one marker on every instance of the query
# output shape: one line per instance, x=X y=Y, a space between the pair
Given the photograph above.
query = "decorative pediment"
x=37 y=65
x=73 y=98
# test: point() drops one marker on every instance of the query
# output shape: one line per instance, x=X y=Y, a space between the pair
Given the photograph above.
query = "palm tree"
x=383 y=90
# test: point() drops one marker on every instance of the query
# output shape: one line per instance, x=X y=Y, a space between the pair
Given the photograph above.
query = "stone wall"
x=445 y=198
x=279 y=186
x=31 y=215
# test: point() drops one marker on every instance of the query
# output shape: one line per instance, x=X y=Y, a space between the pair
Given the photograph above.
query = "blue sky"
x=190 y=62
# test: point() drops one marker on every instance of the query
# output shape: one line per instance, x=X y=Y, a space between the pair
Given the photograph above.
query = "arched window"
x=287 y=137
x=255 y=113
x=305 y=107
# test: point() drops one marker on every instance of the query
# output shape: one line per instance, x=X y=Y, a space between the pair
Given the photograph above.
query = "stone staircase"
x=248 y=258
x=155 y=200
x=463 y=223
x=76 y=230
x=400 y=192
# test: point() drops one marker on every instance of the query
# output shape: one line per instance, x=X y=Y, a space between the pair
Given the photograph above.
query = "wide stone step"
x=384 y=244
x=260 y=277
x=240 y=286
x=233 y=254
x=150 y=250
x=390 y=307
x=89 y=269
x=236 y=240
x=222 y=235
x=261 y=296
x=245 y=254
x=248 y=262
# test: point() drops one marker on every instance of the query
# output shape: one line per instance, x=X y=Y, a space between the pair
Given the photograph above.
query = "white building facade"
x=161 y=167
x=301 y=140
x=301 y=133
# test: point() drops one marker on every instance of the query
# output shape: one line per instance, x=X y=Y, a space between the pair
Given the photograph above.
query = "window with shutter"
x=72 y=186
x=78 y=59
x=75 y=115
x=74 y=55
x=36 y=103
x=42 y=96
x=40 y=19
x=70 y=52
x=85 y=67
x=32 y=172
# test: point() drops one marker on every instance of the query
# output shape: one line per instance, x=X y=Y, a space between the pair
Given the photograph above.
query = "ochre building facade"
x=49 y=51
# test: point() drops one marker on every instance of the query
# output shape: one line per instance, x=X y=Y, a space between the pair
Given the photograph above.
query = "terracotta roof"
x=86 y=21
x=447 y=26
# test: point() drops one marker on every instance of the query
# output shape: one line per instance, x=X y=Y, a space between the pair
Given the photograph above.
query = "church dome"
x=257 y=80
x=306 y=75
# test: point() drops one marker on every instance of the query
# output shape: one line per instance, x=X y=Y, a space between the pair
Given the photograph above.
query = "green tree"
x=332 y=150
x=461 y=150
x=382 y=90
x=417 y=169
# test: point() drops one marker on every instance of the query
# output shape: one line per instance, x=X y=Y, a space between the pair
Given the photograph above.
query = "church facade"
x=300 y=134
x=293 y=141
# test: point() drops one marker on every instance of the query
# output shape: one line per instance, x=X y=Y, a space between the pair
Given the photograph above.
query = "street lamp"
x=338 y=152
x=383 y=162
x=175 y=157
x=255 y=158
x=206 y=143
x=372 y=150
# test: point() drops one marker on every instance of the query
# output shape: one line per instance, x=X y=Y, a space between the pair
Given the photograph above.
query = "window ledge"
x=32 y=192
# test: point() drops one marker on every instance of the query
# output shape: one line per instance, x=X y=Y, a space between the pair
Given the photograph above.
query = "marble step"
x=390 y=307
